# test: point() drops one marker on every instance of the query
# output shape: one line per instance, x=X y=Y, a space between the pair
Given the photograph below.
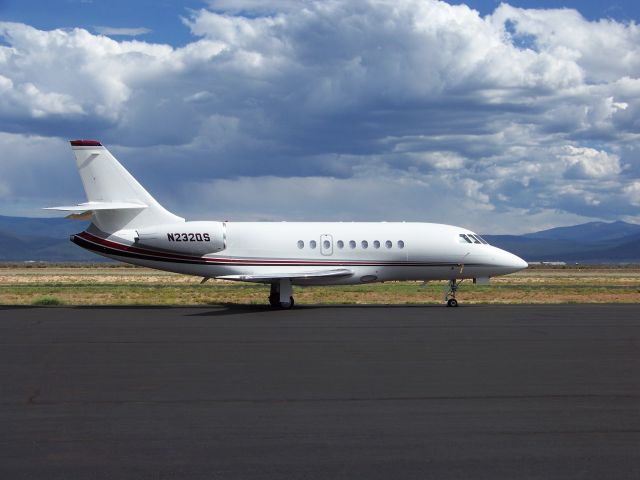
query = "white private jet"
x=129 y=225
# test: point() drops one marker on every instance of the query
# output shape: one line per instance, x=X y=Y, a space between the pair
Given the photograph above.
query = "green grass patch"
x=47 y=301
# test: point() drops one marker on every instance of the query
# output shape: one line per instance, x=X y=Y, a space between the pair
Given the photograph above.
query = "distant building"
x=551 y=264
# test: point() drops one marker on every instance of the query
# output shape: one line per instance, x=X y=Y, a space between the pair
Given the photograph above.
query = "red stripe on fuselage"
x=219 y=260
x=131 y=250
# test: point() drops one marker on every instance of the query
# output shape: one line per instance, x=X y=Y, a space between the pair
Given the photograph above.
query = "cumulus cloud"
x=605 y=50
x=632 y=191
x=523 y=113
x=589 y=163
x=28 y=98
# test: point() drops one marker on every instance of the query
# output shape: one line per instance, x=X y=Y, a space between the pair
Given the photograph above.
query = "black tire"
x=452 y=302
x=287 y=305
x=274 y=301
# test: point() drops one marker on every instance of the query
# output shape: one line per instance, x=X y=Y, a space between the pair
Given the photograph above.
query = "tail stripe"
x=85 y=143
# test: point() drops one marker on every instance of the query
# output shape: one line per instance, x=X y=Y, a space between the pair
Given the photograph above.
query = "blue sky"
x=499 y=117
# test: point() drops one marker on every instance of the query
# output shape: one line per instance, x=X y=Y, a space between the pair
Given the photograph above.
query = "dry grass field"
x=122 y=285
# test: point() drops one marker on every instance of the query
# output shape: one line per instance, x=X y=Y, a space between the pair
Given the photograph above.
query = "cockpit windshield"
x=472 y=238
x=482 y=240
x=465 y=238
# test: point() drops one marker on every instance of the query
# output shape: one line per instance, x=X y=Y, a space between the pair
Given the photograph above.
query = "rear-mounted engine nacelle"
x=198 y=238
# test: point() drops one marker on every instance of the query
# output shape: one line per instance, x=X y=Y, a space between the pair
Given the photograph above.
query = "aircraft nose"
x=512 y=262
x=500 y=262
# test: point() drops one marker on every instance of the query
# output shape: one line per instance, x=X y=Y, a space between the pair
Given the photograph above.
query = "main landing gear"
x=281 y=295
x=450 y=293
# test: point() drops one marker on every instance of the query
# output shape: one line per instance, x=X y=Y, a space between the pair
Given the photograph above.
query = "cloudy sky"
x=503 y=118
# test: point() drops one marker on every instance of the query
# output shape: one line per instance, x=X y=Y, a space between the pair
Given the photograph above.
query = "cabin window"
x=326 y=244
x=352 y=244
x=400 y=244
x=312 y=244
x=388 y=244
x=300 y=244
x=364 y=244
x=376 y=244
x=340 y=244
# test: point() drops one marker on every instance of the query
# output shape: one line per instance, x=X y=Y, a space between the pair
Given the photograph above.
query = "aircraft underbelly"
x=361 y=274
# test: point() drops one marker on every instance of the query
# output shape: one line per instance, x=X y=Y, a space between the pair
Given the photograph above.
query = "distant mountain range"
x=47 y=239
x=594 y=242
x=42 y=239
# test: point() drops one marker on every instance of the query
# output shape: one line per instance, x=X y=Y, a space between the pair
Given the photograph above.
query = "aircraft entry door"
x=326 y=245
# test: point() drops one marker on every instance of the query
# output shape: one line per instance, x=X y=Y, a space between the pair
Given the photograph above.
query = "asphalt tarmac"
x=477 y=392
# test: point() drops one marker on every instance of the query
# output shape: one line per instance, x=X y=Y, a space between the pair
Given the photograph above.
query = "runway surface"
x=329 y=392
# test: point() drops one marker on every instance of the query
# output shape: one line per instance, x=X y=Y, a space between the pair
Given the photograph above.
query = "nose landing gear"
x=450 y=293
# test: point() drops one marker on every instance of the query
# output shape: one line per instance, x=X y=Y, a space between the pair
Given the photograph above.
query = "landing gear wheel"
x=280 y=291
x=450 y=293
x=287 y=305
x=274 y=296
x=274 y=300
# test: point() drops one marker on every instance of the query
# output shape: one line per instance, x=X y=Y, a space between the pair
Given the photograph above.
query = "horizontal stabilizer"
x=93 y=206
x=339 y=272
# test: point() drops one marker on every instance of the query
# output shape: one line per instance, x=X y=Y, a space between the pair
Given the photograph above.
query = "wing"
x=299 y=275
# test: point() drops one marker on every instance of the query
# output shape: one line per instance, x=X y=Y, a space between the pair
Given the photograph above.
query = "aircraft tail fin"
x=116 y=199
